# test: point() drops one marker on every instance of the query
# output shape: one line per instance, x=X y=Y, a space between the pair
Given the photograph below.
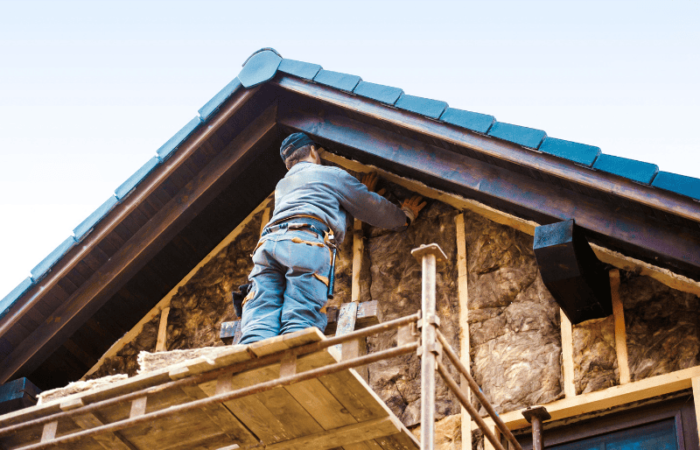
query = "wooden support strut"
x=463 y=294
x=620 y=331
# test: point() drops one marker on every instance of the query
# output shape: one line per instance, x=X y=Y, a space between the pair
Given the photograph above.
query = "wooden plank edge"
x=464 y=344
x=165 y=301
x=567 y=353
x=608 y=398
x=620 y=331
x=616 y=259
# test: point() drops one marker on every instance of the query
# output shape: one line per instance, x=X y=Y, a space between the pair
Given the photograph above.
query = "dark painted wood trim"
x=641 y=236
x=122 y=211
x=145 y=243
x=667 y=202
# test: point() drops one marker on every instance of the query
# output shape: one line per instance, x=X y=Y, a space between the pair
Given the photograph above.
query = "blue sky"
x=89 y=90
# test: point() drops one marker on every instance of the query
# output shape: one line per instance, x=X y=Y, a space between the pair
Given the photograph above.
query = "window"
x=667 y=425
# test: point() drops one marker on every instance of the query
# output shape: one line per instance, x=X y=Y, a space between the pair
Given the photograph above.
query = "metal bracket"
x=431 y=319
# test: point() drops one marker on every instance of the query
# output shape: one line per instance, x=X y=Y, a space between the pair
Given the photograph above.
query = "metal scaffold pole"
x=428 y=255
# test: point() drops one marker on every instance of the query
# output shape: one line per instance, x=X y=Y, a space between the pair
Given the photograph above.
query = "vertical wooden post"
x=163 y=330
x=620 y=331
x=487 y=444
x=347 y=316
x=567 y=353
x=358 y=250
x=696 y=398
x=463 y=294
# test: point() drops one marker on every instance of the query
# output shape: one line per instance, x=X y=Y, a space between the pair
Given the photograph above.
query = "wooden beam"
x=124 y=210
x=615 y=259
x=165 y=301
x=609 y=398
x=349 y=434
x=463 y=294
x=358 y=248
x=138 y=407
x=509 y=153
x=162 y=330
x=567 y=354
x=620 y=331
x=48 y=432
x=141 y=247
x=541 y=200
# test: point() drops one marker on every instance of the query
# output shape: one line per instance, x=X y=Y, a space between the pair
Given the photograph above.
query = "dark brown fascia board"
x=631 y=231
x=57 y=321
x=666 y=202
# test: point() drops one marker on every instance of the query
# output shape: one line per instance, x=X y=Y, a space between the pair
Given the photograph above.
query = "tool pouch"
x=238 y=298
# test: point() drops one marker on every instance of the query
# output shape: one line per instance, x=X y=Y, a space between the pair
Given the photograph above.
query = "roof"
x=178 y=204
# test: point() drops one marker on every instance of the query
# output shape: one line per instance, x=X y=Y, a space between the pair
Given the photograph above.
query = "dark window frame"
x=681 y=410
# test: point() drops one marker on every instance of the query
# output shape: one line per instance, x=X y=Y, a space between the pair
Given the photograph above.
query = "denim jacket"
x=330 y=193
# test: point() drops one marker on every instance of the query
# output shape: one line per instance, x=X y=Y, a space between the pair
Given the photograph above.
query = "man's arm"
x=369 y=207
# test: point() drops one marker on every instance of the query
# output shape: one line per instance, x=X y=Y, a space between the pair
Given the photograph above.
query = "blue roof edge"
x=638 y=171
x=214 y=103
x=136 y=178
x=47 y=263
x=10 y=299
x=167 y=149
x=93 y=219
x=260 y=67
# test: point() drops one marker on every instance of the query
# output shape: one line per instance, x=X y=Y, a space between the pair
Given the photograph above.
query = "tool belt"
x=315 y=225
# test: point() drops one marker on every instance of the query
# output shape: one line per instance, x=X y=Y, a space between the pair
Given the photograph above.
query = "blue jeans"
x=289 y=285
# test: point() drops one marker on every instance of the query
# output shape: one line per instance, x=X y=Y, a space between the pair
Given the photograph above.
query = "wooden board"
x=323 y=413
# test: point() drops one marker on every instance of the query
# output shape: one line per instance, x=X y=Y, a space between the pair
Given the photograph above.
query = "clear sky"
x=89 y=90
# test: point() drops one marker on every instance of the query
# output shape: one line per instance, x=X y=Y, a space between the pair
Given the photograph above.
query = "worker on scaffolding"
x=295 y=257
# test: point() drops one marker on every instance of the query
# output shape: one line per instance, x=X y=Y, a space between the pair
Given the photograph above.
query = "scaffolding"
x=228 y=402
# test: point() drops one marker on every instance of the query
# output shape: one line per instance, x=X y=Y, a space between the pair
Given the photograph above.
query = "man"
x=295 y=255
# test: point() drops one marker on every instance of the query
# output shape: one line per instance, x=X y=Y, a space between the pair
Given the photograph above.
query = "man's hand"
x=370 y=180
x=413 y=206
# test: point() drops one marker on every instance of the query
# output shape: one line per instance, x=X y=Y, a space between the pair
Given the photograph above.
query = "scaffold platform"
x=167 y=409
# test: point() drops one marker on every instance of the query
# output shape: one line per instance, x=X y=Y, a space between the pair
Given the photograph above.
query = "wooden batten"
x=165 y=301
x=620 y=332
x=567 y=355
x=463 y=294
x=162 y=330
x=612 y=397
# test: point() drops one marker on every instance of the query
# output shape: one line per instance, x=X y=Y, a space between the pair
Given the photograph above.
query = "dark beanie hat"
x=292 y=143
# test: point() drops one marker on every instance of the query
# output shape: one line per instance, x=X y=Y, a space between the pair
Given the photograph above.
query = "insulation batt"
x=595 y=357
x=515 y=333
x=395 y=282
x=663 y=327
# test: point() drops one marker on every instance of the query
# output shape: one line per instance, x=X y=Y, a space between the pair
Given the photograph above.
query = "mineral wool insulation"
x=514 y=324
